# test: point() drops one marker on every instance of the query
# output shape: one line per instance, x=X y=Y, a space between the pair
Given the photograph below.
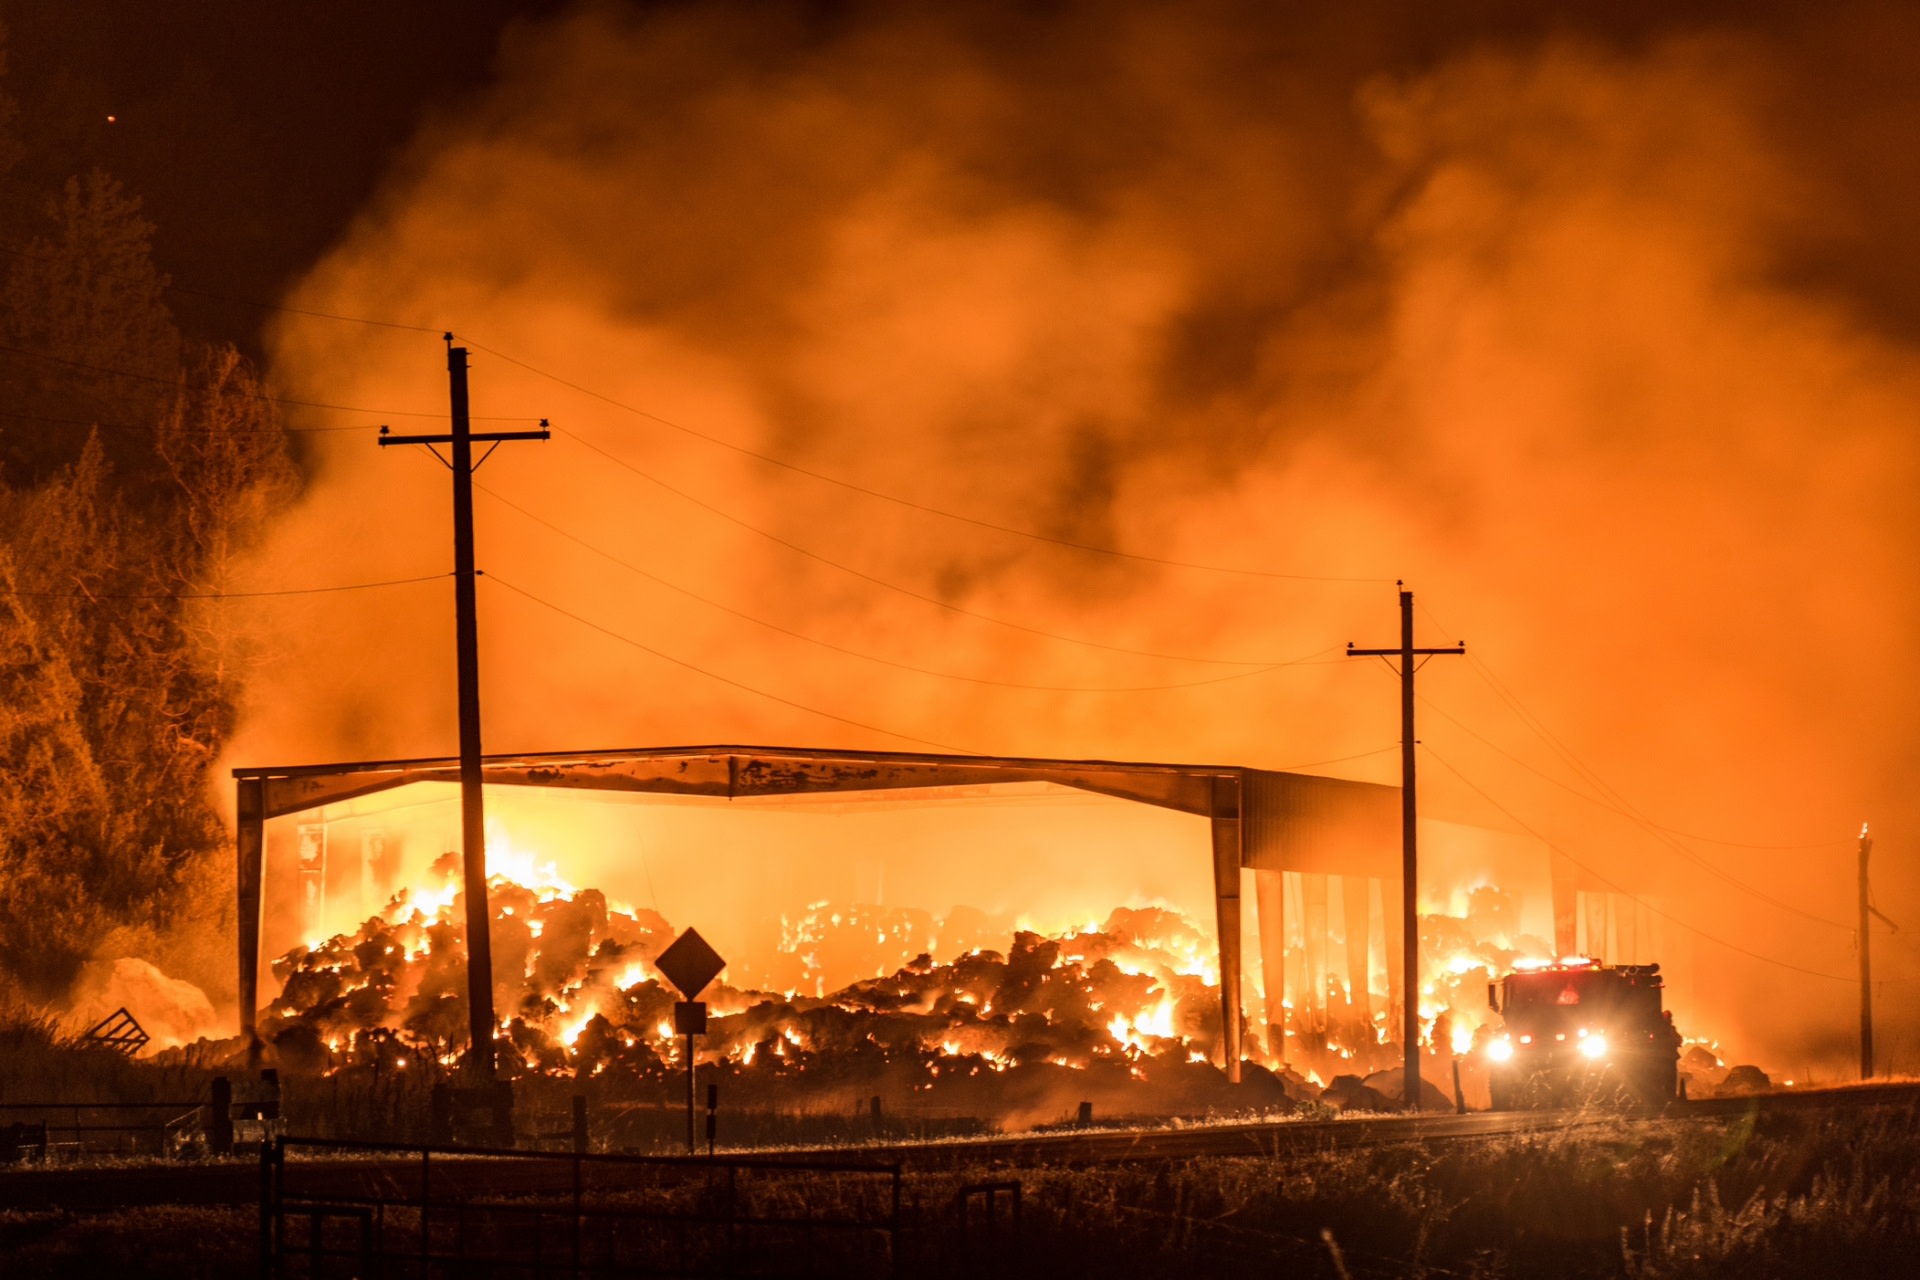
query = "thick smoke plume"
x=1582 y=332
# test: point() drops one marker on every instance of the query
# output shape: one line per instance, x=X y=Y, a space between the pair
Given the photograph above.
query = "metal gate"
x=337 y=1209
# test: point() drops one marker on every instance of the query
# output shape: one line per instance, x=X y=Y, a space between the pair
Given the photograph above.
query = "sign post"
x=690 y=965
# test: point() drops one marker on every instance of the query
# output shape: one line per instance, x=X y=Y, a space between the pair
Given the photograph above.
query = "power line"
x=166 y=285
x=219 y=595
x=650 y=576
x=1538 y=726
x=1627 y=813
x=910 y=504
x=252 y=395
x=892 y=586
x=1314 y=764
x=302 y=311
x=154 y=429
x=1694 y=929
x=1534 y=722
x=716 y=676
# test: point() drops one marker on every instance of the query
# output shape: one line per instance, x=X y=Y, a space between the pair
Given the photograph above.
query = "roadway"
x=1271 y=1138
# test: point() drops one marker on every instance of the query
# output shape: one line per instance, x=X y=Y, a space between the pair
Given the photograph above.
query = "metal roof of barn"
x=1365 y=812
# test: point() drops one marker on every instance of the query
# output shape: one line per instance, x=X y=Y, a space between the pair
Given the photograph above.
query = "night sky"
x=252 y=132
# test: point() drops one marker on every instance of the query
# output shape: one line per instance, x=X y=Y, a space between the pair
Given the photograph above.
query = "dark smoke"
x=1598 y=330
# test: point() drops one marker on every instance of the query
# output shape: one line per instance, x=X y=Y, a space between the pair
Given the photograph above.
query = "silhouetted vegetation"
x=135 y=464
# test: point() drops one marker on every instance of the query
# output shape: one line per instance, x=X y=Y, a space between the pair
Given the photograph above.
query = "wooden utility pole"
x=1866 y=962
x=473 y=829
x=1409 y=846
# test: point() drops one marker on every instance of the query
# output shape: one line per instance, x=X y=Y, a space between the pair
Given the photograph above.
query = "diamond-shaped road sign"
x=690 y=964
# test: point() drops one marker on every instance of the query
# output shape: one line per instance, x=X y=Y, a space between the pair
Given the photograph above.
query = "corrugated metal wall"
x=1298 y=822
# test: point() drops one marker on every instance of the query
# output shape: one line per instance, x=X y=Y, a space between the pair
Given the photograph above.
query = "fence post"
x=989 y=1193
x=893 y=1228
x=220 y=1117
x=426 y=1204
x=580 y=1124
x=580 y=1120
x=269 y=1211
x=729 y=1258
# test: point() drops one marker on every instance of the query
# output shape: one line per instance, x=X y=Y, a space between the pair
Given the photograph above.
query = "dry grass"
x=1798 y=1196
x=39 y=1063
x=190 y=1243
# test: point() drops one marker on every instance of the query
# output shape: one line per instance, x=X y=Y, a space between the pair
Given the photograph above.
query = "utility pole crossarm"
x=1865 y=940
x=477 y=437
x=1395 y=653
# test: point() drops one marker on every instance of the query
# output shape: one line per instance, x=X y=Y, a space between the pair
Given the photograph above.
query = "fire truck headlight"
x=1594 y=1047
x=1500 y=1051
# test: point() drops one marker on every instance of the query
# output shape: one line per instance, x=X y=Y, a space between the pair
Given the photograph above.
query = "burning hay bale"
x=1391 y=1085
x=1351 y=1093
x=1744 y=1081
x=1125 y=1015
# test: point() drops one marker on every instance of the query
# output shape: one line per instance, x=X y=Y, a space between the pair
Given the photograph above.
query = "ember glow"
x=576 y=994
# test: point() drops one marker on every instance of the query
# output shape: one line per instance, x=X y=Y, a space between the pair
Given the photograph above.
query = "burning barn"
x=350 y=922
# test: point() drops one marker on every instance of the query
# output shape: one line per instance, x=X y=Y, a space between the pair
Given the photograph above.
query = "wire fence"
x=338 y=1209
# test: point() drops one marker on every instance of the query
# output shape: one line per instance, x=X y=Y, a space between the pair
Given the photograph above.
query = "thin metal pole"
x=1409 y=869
x=426 y=1208
x=690 y=1104
x=473 y=822
x=271 y=1192
x=1866 y=963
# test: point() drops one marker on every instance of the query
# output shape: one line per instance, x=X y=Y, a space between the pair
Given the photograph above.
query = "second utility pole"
x=1866 y=963
x=1409 y=849
x=473 y=826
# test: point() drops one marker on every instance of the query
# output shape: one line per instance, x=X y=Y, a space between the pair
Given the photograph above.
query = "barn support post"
x=1354 y=900
x=1312 y=1014
x=1270 y=899
x=250 y=848
x=1396 y=956
x=1566 y=905
x=1596 y=913
x=1226 y=901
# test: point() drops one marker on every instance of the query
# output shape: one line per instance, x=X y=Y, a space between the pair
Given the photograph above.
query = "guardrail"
x=335 y=1208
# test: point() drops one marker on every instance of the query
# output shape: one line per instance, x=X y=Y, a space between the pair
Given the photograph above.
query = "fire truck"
x=1580 y=1031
